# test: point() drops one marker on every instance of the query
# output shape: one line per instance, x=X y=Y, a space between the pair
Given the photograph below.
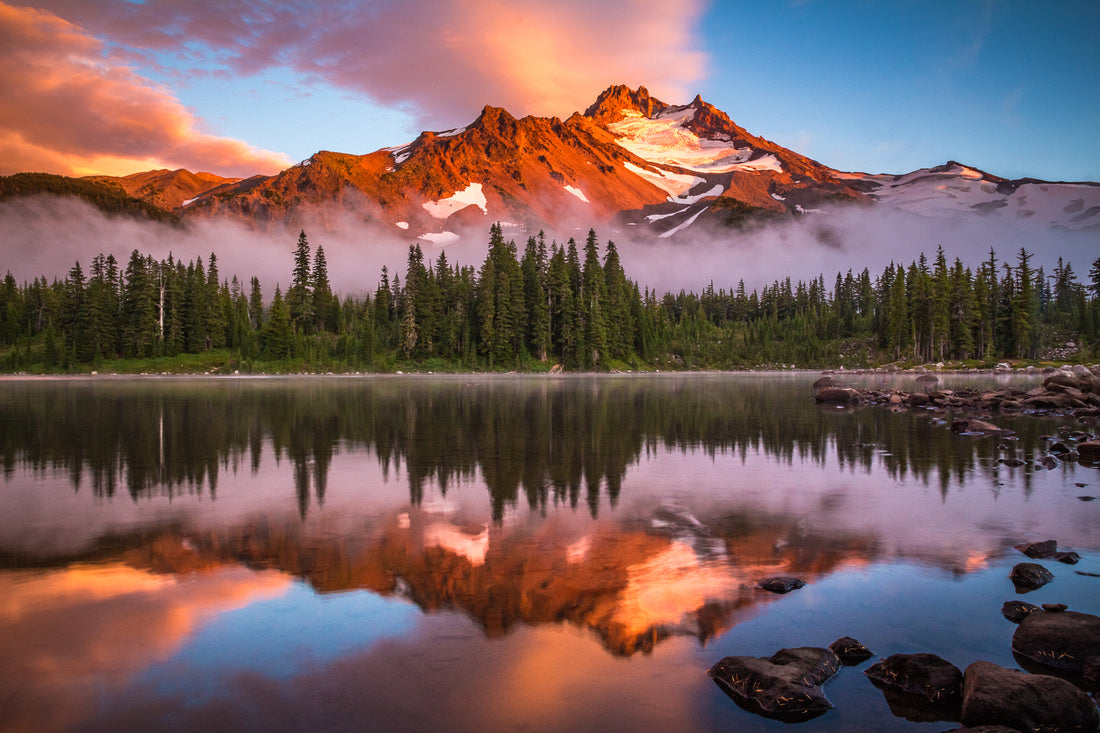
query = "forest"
x=565 y=306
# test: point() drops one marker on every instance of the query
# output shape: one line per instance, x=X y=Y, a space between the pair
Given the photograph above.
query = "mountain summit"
x=629 y=158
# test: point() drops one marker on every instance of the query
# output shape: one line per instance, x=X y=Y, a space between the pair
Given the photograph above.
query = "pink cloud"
x=439 y=61
x=69 y=110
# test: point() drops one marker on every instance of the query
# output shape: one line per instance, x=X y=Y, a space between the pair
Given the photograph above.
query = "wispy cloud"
x=70 y=108
x=439 y=61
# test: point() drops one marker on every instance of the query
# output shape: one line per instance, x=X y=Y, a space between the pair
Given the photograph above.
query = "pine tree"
x=325 y=303
x=277 y=334
x=299 y=298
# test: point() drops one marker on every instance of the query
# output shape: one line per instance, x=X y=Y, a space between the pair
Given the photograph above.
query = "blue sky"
x=241 y=86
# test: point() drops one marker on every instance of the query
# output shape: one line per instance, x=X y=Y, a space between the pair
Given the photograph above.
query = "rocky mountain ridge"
x=630 y=160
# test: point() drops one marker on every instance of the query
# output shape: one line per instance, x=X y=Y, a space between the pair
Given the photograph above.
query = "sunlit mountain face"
x=630 y=160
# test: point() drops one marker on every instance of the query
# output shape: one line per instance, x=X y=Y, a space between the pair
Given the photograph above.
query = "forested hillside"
x=553 y=304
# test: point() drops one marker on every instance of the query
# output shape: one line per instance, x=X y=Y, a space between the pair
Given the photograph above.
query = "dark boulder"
x=918 y=399
x=785 y=686
x=826 y=381
x=1016 y=611
x=1089 y=451
x=1028 y=576
x=994 y=695
x=781 y=584
x=850 y=651
x=1036 y=550
x=919 y=680
x=838 y=396
x=1058 y=641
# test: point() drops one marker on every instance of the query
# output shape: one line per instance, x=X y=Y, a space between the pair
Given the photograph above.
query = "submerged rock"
x=781 y=584
x=1028 y=576
x=850 y=651
x=915 y=682
x=995 y=695
x=1061 y=641
x=975 y=426
x=785 y=686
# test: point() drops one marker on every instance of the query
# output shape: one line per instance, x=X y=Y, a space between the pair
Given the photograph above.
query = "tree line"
x=564 y=304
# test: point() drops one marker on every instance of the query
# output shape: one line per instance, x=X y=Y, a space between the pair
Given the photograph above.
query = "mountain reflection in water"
x=633 y=509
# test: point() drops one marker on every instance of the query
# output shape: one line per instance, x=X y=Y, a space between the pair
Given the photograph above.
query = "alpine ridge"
x=630 y=160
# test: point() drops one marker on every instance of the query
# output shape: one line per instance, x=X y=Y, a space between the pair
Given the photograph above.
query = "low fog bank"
x=46 y=235
x=843 y=238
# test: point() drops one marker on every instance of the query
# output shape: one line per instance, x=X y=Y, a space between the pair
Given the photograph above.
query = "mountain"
x=165 y=189
x=630 y=160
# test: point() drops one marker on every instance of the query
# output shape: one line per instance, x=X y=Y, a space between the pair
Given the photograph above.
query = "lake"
x=484 y=553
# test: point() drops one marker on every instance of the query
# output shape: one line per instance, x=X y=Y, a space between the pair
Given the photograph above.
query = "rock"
x=1089 y=450
x=826 y=382
x=1060 y=379
x=781 y=584
x=838 y=396
x=1055 y=607
x=1067 y=557
x=1027 y=576
x=985 y=729
x=1059 y=448
x=919 y=399
x=1016 y=611
x=1087 y=381
x=1011 y=462
x=785 y=686
x=1091 y=672
x=1058 y=641
x=928 y=379
x=974 y=426
x=850 y=651
x=925 y=679
x=1036 y=550
x=1048 y=462
x=994 y=695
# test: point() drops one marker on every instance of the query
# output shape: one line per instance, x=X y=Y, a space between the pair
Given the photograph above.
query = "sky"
x=238 y=87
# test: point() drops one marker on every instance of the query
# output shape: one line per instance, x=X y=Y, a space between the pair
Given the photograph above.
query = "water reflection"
x=569 y=522
x=536 y=439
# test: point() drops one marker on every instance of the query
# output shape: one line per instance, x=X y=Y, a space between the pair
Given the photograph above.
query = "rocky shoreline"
x=1056 y=688
x=1069 y=392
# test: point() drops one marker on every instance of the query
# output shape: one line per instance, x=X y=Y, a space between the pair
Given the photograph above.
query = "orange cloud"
x=68 y=110
x=439 y=61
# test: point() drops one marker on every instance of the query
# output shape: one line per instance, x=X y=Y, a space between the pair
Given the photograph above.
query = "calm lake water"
x=484 y=553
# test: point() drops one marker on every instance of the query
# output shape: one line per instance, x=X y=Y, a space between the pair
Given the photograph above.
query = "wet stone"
x=995 y=695
x=781 y=584
x=1015 y=611
x=1028 y=576
x=850 y=651
x=785 y=686
x=1036 y=550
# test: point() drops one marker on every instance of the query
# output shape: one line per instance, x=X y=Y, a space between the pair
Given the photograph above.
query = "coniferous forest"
x=551 y=304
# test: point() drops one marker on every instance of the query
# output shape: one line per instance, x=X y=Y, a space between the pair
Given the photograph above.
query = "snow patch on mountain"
x=684 y=224
x=715 y=190
x=472 y=195
x=663 y=139
x=578 y=193
x=401 y=224
x=673 y=183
